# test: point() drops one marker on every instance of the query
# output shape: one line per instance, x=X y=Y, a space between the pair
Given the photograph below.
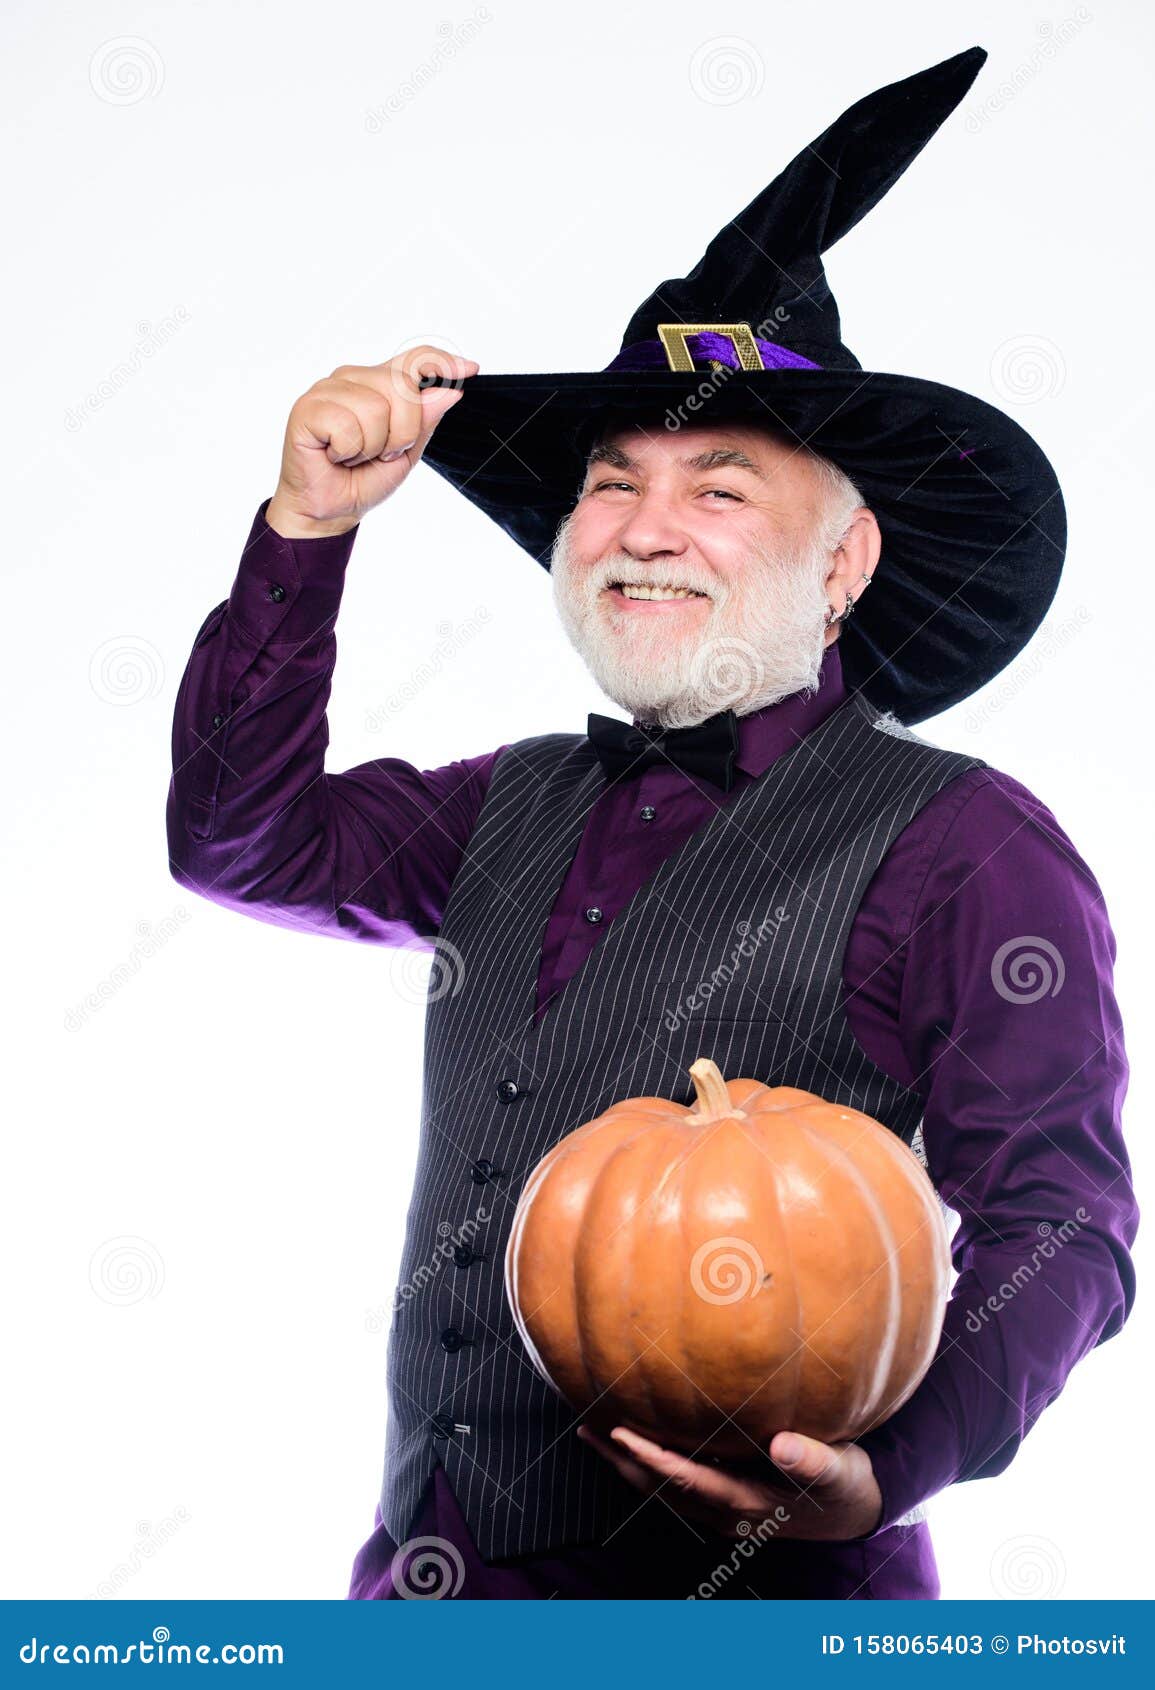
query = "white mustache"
x=620 y=572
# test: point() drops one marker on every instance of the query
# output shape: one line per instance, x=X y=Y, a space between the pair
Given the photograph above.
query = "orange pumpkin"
x=713 y=1274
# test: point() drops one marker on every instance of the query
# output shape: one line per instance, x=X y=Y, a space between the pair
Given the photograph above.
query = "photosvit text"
x=970 y=1643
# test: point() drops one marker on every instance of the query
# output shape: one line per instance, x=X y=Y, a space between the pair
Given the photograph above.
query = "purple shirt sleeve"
x=254 y=821
x=1010 y=1027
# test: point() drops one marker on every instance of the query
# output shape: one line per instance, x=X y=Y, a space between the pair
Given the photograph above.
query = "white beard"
x=761 y=640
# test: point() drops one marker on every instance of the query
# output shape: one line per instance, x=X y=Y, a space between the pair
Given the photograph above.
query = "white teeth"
x=632 y=591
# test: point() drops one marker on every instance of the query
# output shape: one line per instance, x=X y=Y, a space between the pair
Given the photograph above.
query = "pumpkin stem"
x=712 y=1096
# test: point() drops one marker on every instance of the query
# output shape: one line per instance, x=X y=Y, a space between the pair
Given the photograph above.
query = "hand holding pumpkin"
x=834 y=1494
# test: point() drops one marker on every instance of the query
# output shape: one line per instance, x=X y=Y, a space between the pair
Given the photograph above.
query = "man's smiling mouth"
x=654 y=594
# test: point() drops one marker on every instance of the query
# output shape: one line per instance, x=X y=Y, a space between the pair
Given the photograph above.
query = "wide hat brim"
x=970 y=510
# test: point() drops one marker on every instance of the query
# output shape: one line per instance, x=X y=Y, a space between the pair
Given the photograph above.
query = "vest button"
x=482 y=1170
x=594 y=915
x=441 y=1425
x=463 y=1255
x=451 y=1339
x=647 y=813
x=507 y=1090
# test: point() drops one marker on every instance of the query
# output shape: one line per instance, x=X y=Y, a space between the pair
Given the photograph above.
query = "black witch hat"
x=971 y=515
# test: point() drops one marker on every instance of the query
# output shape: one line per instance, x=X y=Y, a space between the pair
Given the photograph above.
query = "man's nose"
x=652 y=526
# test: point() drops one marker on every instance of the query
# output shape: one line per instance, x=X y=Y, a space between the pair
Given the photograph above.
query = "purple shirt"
x=1021 y=1064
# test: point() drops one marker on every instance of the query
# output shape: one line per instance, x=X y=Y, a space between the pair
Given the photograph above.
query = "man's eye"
x=721 y=492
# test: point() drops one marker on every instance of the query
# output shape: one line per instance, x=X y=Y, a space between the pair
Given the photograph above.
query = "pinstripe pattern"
x=804 y=839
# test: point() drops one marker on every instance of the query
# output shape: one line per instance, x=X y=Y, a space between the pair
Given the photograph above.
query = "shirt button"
x=648 y=813
x=594 y=915
x=441 y=1425
x=451 y=1339
x=218 y=720
x=276 y=593
x=507 y=1090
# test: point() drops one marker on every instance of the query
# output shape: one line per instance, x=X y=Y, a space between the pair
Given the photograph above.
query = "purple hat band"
x=651 y=354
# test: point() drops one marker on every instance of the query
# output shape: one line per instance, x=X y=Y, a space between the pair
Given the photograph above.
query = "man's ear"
x=857 y=556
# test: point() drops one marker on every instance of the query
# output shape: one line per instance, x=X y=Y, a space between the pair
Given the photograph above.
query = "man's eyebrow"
x=718 y=457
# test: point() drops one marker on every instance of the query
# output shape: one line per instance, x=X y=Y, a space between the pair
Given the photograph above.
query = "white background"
x=206 y=210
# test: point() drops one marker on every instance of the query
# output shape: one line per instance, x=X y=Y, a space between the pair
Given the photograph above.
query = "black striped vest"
x=732 y=949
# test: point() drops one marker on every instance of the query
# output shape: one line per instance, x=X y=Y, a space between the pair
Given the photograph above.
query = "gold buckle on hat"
x=741 y=337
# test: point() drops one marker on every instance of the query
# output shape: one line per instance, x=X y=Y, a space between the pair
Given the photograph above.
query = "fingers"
x=637 y=1474
x=412 y=414
x=810 y=1463
x=649 y=1466
x=708 y=1484
x=363 y=412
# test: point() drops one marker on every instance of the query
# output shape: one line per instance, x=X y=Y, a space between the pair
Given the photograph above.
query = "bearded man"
x=773 y=562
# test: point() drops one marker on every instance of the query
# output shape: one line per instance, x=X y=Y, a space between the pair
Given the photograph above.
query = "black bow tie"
x=707 y=750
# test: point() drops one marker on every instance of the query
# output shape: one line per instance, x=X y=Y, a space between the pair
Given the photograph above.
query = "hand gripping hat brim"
x=971 y=514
